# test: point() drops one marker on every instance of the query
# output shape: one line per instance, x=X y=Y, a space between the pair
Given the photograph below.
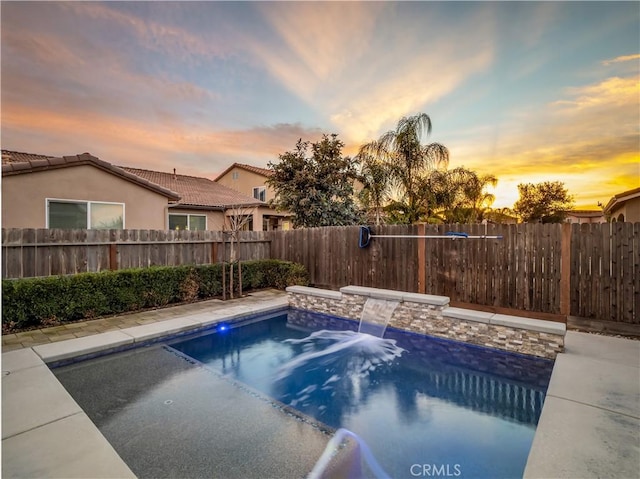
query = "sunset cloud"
x=167 y=144
x=349 y=71
x=593 y=129
x=153 y=35
x=525 y=91
x=622 y=58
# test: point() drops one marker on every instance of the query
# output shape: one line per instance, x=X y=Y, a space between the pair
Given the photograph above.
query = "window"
x=235 y=175
x=260 y=193
x=187 y=222
x=248 y=226
x=270 y=223
x=106 y=216
x=68 y=214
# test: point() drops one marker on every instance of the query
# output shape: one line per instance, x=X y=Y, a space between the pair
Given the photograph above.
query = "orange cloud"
x=610 y=92
x=164 y=145
x=622 y=58
x=324 y=47
x=350 y=71
x=590 y=141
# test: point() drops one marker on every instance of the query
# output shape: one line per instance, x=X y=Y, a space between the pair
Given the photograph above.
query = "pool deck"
x=589 y=427
x=590 y=422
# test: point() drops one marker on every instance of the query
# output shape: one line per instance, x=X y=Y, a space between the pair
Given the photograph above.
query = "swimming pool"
x=426 y=407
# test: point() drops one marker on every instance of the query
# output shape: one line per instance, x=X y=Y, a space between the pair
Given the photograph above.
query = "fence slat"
x=522 y=271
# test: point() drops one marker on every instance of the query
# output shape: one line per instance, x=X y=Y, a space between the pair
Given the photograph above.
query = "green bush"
x=32 y=302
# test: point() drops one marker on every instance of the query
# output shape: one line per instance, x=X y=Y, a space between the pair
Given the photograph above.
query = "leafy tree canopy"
x=547 y=202
x=395 y=168
x=316 y=186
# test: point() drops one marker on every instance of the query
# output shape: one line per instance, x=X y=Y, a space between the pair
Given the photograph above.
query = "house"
x=251 y=180
x=79 y=191
x=205 y=204
x=82 y=191
x=585 y=216
x=624 y=206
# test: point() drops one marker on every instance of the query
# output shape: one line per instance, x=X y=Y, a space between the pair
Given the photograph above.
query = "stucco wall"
x=630 y=209
x=246 y=182
x=24 y=196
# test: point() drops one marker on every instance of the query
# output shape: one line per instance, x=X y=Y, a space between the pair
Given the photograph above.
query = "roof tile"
x=196 y=191
x=9 y=156
x=31 y=163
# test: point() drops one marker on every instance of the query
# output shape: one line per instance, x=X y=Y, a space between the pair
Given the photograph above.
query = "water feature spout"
x=376 y=314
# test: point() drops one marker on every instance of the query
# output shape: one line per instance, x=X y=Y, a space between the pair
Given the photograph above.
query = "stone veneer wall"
x=432 y=316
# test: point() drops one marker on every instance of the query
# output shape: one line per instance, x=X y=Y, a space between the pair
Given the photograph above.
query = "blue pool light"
x=222 y=327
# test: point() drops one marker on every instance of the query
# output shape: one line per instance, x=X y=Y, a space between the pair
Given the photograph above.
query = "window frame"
x=260 y=189
x=47 y=201
x=188 y=215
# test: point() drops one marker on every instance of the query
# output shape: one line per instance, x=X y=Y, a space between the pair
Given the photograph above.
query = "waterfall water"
x=376 y=314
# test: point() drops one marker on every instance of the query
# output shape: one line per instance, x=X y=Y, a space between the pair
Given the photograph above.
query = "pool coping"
x=563 y=446
x=37 y=411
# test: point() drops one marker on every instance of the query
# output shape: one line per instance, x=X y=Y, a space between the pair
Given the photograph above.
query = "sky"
x=526 y=91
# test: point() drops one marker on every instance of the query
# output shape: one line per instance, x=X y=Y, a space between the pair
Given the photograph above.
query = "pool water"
x=413 y=399
x=425 y=407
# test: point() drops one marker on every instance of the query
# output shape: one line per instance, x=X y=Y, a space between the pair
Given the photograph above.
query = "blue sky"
x=526 y=91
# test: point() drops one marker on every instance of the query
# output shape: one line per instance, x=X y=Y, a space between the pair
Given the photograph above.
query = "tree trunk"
x=231 y=259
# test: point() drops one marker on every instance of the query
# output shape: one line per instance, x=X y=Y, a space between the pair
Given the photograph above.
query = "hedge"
x=30 y=302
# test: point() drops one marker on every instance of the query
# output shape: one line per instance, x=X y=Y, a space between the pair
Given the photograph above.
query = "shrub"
x=33 y=302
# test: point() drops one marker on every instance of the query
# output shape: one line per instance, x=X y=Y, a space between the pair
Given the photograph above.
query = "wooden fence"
x=553 y=272
x=334 y=259
x=520 y=271
x=605 y=272
x=46 y=252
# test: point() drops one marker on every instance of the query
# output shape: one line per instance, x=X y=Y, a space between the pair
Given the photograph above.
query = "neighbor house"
x=205 y=204
x=624 y=206
x=79 y=191
x=251 y=180
x=82 y=191
x=585 y=216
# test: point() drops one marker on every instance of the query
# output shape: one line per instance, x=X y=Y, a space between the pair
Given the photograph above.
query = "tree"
x=238 y=217
x=408 y=162
x=547 y=202
x=501 y=215
x=457 y=195
x=317 y=189
x=375 y=178
x=478 y=198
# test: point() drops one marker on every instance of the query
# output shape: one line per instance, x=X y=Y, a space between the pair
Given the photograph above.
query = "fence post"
x=214 y=252
x=113 y=256
x=422 y=266
x=565 y=271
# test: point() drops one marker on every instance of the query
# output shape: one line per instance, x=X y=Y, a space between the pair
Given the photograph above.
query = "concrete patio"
x=590 y=423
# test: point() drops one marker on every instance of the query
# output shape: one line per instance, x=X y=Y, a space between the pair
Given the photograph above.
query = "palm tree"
x=458 y=196
x=480 y=201
x=447 y=196
x=409 y=161
x=375 y=178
